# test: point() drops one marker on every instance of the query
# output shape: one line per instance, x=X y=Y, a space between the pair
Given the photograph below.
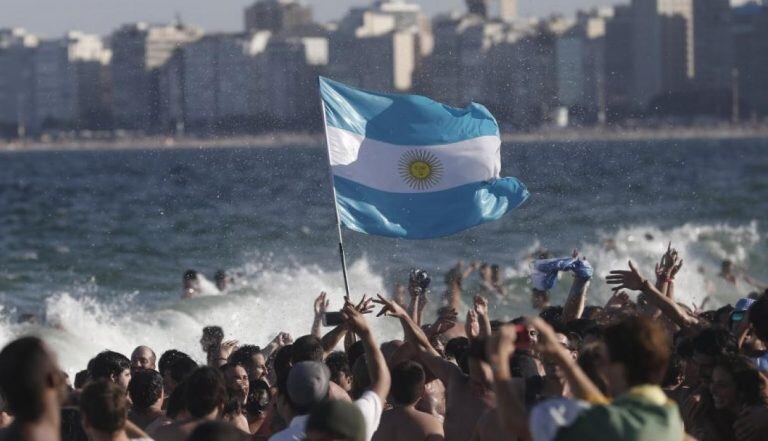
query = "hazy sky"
x=53 y=17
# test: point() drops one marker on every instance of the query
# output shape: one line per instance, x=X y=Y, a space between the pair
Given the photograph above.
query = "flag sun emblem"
x=420 y=169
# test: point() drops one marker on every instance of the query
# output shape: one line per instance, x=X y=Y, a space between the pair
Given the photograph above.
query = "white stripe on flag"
x=412 y=169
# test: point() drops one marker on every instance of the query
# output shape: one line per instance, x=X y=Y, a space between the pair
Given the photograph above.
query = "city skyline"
x=52 y=18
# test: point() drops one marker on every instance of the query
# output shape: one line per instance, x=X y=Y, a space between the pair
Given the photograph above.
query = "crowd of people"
x=642 y=367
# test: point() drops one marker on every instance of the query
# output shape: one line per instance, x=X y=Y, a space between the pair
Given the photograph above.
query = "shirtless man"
x=403 y=422
x=34 y=390
x=190 y=286
x=146 y=393
x=206 y=397
x=468 y=396
x=143 y=357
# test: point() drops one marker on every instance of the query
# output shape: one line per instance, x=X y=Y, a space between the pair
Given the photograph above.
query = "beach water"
x=94 y=243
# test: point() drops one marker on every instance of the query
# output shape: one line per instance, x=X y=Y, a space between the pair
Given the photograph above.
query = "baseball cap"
x=338 y=418
x=308 y=383
x=741 y=308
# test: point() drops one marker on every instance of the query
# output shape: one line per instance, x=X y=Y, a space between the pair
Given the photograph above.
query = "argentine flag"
x=407 y=166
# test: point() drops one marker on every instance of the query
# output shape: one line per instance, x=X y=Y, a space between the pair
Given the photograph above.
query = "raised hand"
x=481 y=306
x=618 y=300
x=226 y=349
x=389 y=308
x=447 y=312
x=355 y=319
x=283 y=339
x=365 y=306
x=626 y=279
x=321 y=304
x=548 y=343
x=472 y=325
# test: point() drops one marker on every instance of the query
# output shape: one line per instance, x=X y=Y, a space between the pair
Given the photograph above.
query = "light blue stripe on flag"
x=402 y=119
x=407 y=166
x=426 y=215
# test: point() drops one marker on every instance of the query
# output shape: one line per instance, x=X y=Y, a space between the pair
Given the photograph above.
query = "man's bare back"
x=178 y=431
x=463 y=410
x=408 y=424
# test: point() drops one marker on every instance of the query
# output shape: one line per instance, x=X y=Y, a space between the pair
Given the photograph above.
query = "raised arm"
x=443 y=369
x=577 y=296
x=577 y=299
x=320 y=306
x=333 y=337
x=633 y=280
x=549 y=346
x=510 y=402
x=481 y=309
x=377 y=365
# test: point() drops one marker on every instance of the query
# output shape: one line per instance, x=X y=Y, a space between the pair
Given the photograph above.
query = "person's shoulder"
x=283 y=435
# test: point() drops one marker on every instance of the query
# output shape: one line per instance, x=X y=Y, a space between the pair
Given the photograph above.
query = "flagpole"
x=335 y=200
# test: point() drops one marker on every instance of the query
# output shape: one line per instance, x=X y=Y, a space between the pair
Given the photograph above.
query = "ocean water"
x=94 y=243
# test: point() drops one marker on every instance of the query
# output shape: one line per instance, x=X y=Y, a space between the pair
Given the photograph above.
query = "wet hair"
x=108 y=363
x=361 y=379
x=715 y=342
x=177 y=401
x=642 y=347
x=750 y=387
x=590 y=311
x=104 y=405
x=554 y=316
x=81 y=378
x=456 y=347
x=407 y=382
x=190 y=275
x=244 y=355
x=26 y=368
x=168 y=358
x=205 y=391
x=758 y=317
x=674 y=371
x=220 y=275
x=282 y=365
x=354 y=352
x=216 y=431
x=590 y=356
x=307 y=348
x=145 y=388
x=338 y=364
x=182 y=368
x=213 y=333
x=584 y=328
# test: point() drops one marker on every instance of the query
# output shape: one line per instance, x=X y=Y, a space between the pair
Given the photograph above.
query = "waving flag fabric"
x=407 y=166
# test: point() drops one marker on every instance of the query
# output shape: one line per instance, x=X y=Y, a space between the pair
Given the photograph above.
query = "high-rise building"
x=380 y=46
x=69 y=82
x=220 y=80
x=455 y=71
x=662 y=48
x=16 y=74
x=138 y=50
x=619 y=62
x=277 y=16
x=712 y=45
x=289 y=68
x=580 y=53
x=750 y=56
